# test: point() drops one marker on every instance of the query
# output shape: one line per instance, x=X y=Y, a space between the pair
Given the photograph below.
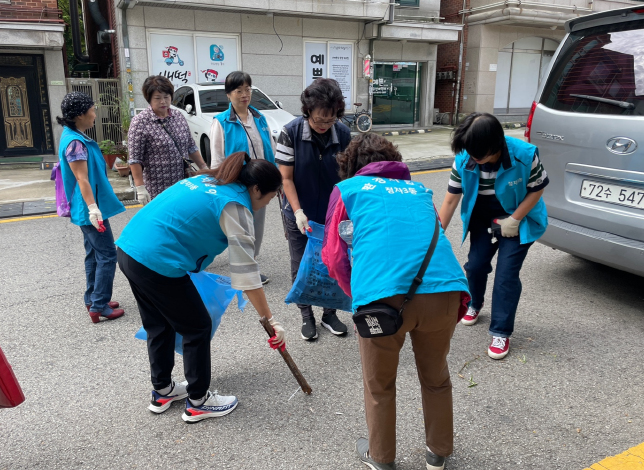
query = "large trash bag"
x=216 y=293
x=313 y=285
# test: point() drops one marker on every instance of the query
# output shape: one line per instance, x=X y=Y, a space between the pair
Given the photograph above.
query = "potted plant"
x=109 y=152
x=122 y=166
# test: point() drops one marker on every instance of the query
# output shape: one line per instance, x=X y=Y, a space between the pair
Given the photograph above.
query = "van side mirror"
x=189 y=108
x=279 y=104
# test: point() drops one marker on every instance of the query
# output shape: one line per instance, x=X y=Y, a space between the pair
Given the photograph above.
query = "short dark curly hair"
x=156 y=83
x=365 y=149
x=323 y=93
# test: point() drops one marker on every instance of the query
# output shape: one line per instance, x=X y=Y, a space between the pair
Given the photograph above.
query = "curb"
x=44 y=207
x=513 y=125
x=436 y=163
x=404 y=132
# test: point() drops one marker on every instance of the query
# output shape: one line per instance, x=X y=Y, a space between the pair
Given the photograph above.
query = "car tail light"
x=528 y=126
x=639 y=11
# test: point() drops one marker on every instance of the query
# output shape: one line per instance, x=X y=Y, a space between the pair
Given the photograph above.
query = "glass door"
x=396 y=93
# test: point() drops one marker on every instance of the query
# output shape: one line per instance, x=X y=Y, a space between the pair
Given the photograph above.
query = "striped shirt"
x=236 y=222
x=538 y=177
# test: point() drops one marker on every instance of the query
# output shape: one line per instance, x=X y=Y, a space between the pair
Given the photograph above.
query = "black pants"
x=168 y=306
x=296 y=245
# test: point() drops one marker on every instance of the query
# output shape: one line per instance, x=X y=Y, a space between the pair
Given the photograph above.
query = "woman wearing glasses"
x=241 y=128
x=306 y=154
x=158 y=141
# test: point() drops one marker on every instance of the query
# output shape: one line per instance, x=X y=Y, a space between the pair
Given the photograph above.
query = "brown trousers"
x=430 y=320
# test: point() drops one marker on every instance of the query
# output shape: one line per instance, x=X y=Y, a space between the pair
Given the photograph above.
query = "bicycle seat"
x=357 y=104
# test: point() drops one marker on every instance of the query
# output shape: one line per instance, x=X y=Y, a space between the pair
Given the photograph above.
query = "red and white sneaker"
x=499 y=348
x=471 y=316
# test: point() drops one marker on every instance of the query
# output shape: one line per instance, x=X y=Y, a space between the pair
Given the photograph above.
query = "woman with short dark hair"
x=306 y=154
x=159 y=141
x=182 y=231
x=393 y=225
x=242 y=128
x=501 y=180
x=92 y=201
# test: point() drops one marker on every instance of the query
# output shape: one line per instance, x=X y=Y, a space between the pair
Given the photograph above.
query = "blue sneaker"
x=214 y=406
x=160 y=403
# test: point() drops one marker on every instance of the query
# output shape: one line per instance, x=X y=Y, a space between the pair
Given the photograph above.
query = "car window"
x=213 y=101
x=260 y=101
x=177 y=99
x=189 y=100
x=599 y=71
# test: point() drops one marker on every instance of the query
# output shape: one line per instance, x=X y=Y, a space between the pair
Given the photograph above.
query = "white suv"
x=201 y=102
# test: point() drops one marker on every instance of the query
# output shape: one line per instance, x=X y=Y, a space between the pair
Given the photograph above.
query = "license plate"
x=613 y=193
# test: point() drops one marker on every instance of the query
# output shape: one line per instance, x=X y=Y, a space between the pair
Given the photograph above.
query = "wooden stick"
x=287 y=358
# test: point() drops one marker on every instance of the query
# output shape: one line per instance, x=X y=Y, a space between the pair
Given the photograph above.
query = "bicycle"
x=359 y=120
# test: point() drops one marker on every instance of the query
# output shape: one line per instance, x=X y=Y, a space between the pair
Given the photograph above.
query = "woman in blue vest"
x=306 y=151
x=501 y=180
x=92 y=202
x=181 y=231
x=393 y=223
x=242 y=128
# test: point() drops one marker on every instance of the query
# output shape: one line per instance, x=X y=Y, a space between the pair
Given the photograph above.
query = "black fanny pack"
x=379 y=319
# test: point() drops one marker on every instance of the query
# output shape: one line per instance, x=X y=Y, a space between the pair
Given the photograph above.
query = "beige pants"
x=430 y=320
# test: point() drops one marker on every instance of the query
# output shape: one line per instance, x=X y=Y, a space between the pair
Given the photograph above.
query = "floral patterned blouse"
x=150 y=146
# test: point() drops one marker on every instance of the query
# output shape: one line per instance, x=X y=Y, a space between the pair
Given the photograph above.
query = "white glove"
x=302 y=221
x=509 y=226
x=95 y=215
x=142 y=195
x=280 y=334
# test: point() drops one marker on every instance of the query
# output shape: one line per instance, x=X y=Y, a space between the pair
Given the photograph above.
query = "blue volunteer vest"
x=235 y=137
x=178 y=231
x=393 y=223
x=510 y=187
x=104 y=196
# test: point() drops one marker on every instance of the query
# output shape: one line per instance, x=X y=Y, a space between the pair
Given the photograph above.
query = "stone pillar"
x=480 y=69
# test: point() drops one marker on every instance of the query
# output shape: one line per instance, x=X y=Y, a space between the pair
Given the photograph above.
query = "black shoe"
x=264 y=279
x=362 y=447
x=309 y=331
x=434 y=462
x=332 y=323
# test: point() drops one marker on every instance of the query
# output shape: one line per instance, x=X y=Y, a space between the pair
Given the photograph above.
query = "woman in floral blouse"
x=158 y=141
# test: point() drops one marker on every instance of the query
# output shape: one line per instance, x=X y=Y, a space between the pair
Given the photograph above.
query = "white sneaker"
x=470 y=317
x=214 y=406
x=160 y=403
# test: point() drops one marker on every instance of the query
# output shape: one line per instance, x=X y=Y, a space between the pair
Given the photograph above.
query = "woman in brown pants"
x=393 y=222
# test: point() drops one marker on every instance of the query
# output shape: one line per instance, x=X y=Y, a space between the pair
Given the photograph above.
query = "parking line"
x=431 y=171
x=632 y=459
x=20 y=219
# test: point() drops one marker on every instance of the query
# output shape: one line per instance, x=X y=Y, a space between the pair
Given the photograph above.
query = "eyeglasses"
x=323 y=123
x=242 y=92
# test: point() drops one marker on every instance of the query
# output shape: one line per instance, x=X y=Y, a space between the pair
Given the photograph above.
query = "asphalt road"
x=568 y=394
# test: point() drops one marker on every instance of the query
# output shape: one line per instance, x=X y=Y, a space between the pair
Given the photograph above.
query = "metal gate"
x=106 y=93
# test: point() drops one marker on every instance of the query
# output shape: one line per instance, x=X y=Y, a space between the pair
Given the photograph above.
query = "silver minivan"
x=588 y=122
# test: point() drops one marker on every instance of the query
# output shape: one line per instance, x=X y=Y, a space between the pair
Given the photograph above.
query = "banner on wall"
x=315 y=60
x=173 y=56
x=216 y=58
x=340 y=68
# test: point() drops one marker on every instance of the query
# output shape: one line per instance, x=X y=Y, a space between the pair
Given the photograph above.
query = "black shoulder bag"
x=378 y=319
x=189 y=167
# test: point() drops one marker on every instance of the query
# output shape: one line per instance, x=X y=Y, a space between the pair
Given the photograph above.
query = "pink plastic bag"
x=62 y=205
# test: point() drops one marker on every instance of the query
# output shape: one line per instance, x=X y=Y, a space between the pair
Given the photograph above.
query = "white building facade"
x=284 y=45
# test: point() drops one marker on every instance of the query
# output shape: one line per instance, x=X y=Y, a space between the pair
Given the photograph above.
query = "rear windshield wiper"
x=621 y=104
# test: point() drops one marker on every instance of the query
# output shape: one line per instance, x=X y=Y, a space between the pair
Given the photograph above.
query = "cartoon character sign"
x=216 y=54
x=210 y=74
x=171 y=56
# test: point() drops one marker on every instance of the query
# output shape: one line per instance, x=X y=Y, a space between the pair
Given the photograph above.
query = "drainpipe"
x=124 y=5
x=76 y=40
x=392 y=6
x=94 y=10
x=460 y=66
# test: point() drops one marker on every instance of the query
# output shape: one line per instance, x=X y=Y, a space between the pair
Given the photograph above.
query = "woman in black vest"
x=306 y=151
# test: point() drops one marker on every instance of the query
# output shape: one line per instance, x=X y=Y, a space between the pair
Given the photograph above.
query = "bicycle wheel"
x=363 y=123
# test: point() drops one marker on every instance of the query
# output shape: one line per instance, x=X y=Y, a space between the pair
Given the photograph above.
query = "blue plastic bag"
x=216 y=293
x=313 y=285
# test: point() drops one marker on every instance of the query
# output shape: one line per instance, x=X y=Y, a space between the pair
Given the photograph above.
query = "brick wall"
x=447 y=58
x=42 y=11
